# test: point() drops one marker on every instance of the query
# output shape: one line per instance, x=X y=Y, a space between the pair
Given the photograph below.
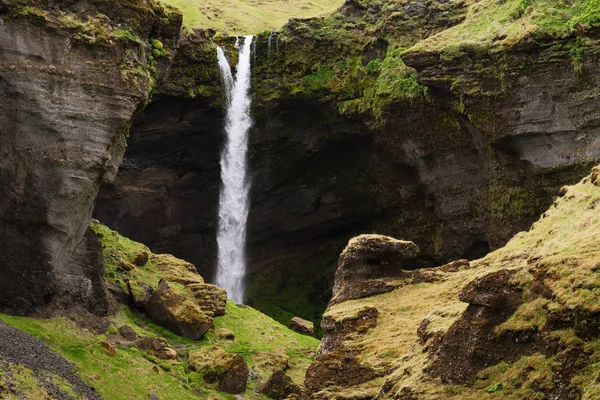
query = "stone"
x=141 y=259
x=53 y=162
x=177 y=313
x=128 y=333
x=225 y=333
x=279 y=386
x=302 y=326
x=211 y=298
x=229 y=370
x=366 y=260
x=109 y=348
x=139 y=293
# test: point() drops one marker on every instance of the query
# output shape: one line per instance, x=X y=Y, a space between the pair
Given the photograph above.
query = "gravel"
x=18 y=347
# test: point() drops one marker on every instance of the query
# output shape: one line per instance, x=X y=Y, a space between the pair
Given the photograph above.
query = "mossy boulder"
x=211 y=298
x=179 y=314
x=216 y=365
x=280 y=386
x=302 y=326
x=139 y=293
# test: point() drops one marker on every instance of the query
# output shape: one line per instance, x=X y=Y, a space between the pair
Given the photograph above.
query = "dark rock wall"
x=472 y=153
x=65 y=110
x=167 y=191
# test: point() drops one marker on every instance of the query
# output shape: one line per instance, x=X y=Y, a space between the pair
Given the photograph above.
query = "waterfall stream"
x=234 y=195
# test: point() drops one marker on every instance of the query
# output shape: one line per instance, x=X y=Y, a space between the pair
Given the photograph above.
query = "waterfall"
x=234 y=195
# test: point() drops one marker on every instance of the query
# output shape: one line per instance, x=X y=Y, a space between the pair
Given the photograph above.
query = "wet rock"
x=279 y=386
x=302 y=326
x=229 y=370
x=365 y=260
x=173 y=311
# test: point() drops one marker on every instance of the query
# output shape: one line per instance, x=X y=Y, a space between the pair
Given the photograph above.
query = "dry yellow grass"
x=564 y=243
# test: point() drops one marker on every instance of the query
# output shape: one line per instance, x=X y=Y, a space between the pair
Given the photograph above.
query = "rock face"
x=457 y=170
x=366 y=260
x=66 y=102
x=177 y=313
x=229 y=370
x=302 y=326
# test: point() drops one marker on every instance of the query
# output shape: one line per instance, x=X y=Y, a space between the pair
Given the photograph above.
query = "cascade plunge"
x=234 y=195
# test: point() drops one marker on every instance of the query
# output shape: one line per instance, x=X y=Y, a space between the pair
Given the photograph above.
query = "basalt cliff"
x=72 y=76
x=401 y=154
x=420 y=120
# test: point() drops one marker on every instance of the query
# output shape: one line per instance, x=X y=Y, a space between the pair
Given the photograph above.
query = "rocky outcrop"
x=228 y=370
x=174 y=311
x=71 y=78
x=366 y=260
x=515 y=324
x=211 y=298
x=279 y=386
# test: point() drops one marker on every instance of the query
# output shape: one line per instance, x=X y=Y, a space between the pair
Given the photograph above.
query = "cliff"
x=410 y=119
x=72 y=76
x=518 y=323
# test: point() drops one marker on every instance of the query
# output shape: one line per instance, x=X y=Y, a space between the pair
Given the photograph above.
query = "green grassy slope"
x=131 y=373
x=245 y=17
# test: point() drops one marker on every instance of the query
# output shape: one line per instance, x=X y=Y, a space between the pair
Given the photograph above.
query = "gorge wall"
x=71 y=78
x=452 y=144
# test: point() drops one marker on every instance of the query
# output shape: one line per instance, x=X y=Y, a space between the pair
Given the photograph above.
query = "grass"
x=131 y=373
x=237 y=17
x=561 y=247
x=504 y=24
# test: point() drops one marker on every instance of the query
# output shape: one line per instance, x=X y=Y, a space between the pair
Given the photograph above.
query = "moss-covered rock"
x=216 y=365
x=173 y=311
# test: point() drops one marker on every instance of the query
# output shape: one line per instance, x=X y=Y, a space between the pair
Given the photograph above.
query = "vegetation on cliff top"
x=504 y=24
x=129 y=372
x=237 y=17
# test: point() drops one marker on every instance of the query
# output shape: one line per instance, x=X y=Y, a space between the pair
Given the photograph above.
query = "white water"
x=234 y=196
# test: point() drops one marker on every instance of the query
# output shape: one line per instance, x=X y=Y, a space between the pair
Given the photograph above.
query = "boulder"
x=225 y=334
x=127 y=332
x=179 y=314
x=229 y=370
x=158 y=347
x=279 y=386
x=366 y=260
x=139 y=293
x=302 y=326
x=211 y=298
x=141 y=259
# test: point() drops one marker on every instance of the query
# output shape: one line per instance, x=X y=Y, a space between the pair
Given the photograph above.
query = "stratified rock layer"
x=66 y=103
